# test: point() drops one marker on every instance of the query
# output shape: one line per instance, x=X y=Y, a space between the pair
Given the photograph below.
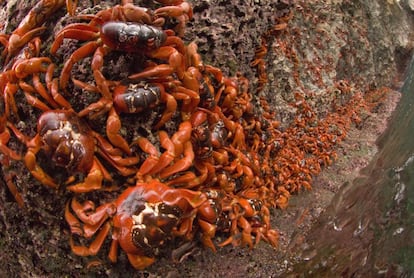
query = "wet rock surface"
x=368 y=44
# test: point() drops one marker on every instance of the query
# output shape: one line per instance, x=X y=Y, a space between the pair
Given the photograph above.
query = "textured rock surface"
x=367 y=43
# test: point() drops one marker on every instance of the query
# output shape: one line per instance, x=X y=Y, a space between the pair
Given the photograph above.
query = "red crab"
x=29 y=27
x=122 y=36
x=23 y=65
x=71 y=144
x=179 y=144
x=143 y=219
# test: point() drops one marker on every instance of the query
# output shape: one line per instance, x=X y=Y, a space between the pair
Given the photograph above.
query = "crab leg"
x=76 y=56
x=31 y=164
x=171 y=107
x=113 y=125
x=182 y=164
x=78 y=31
x=168 y=156
x=93 y=180
x=95 y=246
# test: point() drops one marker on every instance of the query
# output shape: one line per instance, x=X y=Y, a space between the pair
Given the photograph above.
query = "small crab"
x=25 y=64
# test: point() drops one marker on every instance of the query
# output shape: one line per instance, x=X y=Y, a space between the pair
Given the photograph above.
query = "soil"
x=332 y=41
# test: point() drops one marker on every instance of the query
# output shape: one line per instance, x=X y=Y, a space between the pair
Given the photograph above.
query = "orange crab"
x=30 y=26
x=248 y=215
x=71 y=144
x=122 y=36
x=182 y=11
x=24 y=65
x=143 y=219
x=179 y=144
x=130 y=99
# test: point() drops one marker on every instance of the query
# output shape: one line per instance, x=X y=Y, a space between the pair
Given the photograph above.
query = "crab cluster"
x=214 y=162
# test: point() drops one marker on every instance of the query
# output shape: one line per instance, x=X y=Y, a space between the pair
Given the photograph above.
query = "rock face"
x=366 y=44
x=410 y=4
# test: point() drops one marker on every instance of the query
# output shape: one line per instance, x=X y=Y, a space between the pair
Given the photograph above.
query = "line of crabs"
x=222 y=168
